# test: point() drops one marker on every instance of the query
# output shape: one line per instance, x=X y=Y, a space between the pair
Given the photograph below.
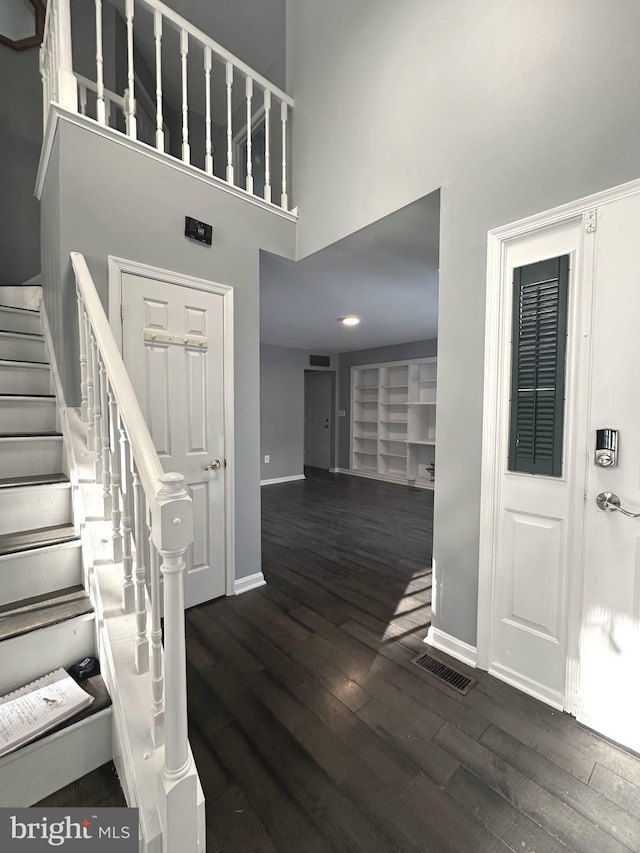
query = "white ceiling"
x=387 y=274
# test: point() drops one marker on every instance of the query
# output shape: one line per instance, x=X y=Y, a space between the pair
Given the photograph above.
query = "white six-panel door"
x=173 y=348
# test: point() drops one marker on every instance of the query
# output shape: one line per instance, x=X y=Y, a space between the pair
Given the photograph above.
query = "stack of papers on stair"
x=39 y=707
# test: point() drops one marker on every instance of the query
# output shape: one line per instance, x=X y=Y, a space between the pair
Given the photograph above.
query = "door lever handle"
x=611 y=503
x=213 y=465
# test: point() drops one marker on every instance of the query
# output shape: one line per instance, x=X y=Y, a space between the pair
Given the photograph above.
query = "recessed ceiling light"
x=350 y=321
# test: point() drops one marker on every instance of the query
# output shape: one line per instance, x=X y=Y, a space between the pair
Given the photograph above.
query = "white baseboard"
x=282 y=480
x=250 y=582
x=528 y=685
x=452 y=646
x=334 y=470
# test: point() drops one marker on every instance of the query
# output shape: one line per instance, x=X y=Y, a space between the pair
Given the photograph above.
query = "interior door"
x=609 y=695
x=318 y=399
x=172 y=345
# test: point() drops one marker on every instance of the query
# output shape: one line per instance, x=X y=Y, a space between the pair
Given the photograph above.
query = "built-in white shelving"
x=393 y=428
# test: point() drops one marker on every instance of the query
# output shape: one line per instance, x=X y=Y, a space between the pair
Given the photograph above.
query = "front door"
x=172 y=346
x=609 y=694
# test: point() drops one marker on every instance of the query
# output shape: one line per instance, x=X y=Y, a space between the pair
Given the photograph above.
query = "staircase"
x=46 y=615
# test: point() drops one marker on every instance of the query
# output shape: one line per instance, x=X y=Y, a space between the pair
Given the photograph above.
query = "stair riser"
x=24 y=296
x=39 y=769
x=18 y=379
x=28 y=415
x=30 y=507
x=15 y=321
x=22 y=349
x=40 y=571
x=24 y=658
x=25 y=456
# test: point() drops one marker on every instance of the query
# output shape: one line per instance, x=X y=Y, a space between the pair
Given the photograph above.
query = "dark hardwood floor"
x=313 y=731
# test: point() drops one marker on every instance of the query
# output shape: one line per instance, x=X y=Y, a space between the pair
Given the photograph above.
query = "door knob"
x=213 y=465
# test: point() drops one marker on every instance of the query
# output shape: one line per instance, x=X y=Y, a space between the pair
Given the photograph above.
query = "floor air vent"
x=445 y=673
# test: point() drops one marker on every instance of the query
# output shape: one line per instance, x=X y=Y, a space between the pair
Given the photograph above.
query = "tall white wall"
x=513 y=107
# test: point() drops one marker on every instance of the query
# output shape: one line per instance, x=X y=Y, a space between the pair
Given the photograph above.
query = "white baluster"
x=267 y=145
x=249 y=93
x=184 y=52
x=208 y=157
x=106 y=453
x=53 y=62
x=100 y=111
x=229 y=124
x=128 y=590
x=157 y=675
x=91 y=434
x=142 y=643
x=130 y=103
x=116 y=479
x=67 y=88
x=107 y=112
x=83 y=360
x=157 y=33
x=46 y=87
x=284 y=201
x=83 y=99
x=97 y=414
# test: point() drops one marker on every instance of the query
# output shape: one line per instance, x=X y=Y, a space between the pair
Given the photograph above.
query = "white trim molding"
x=528 y=685
x=282 y=480
x=451 y=645
x=58 y=113
x=250 y=582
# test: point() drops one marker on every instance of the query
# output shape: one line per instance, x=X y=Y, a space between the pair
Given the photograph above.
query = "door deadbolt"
x=606 y=452
x=213 y=465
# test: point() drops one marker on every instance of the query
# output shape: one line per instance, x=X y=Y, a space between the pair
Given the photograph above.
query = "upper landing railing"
x=209 y=109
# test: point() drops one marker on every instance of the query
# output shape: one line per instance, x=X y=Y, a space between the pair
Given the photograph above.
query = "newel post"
x=172 y=532
x=67 y=85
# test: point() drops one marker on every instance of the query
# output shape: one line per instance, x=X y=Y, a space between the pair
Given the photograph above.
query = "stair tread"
x=11 y=543
x=20 y=310
x=41 y=611
x=27 y=397
x=33 y=480
x=12 y=362
x=98 y=689
x=30 y=336
x=24 y=361
x=47 y=434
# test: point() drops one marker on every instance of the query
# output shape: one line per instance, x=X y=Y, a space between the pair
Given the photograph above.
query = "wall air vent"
x=319 y=361
x=451 y=677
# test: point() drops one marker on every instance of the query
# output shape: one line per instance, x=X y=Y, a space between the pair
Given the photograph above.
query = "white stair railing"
x=150 y=509
x=229 y=92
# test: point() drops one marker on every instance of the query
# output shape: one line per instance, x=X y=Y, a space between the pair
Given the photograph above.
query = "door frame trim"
x=498 y=240
x=117 y=268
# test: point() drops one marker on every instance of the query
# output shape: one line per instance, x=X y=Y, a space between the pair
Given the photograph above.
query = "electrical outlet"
x=267 y=458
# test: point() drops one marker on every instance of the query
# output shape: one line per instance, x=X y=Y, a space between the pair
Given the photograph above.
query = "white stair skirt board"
x=282 y=480
x=28 y=656
x=527 y=685
x=31 y=507
x=37 y=770
x=21 y=347
x=39 y=571
x=21 y=457
x=452 y=646
x=28 y=414
x=21 y=296
x=250 y=582
x=24 y=378
x=19 y=320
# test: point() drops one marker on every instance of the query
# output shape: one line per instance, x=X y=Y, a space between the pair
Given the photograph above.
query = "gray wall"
x=101 y=198
x=400 y=352
x=512 y=108
x=20 y=139
x=282 y=409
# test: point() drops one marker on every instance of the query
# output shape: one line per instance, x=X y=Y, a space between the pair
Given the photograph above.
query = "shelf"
x=423 y=404
x=365 y=452
x=366 y=387
x=383 y=421
x=428 y=443
x=363 y=421
x=427 y=381
x=402 y=403
x=394 y=386
x=393 y=455
x=398 y=440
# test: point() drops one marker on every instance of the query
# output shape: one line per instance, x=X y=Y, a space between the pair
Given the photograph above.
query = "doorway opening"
x=319 y=419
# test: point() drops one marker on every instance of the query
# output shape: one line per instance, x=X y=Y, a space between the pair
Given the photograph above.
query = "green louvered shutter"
x=538 y=366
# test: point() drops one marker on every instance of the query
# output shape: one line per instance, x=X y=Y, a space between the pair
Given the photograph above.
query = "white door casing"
x=174 y=333
x=590 y=578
